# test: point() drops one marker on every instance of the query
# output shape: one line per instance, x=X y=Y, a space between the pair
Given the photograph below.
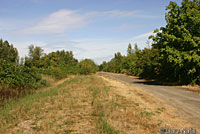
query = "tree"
x=117 y=62
x=8 y=52
x=136 y=49
x=103 y=66
x=179 y=42
x=87 y=66
x=129 y=49
x=35 y=54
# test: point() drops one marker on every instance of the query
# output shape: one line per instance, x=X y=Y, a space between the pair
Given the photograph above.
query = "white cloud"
x=96 y=49
x=57 y=22
x=63 y=20
x=22 y=47
x=141 y=39
x=142 y=36
x=99 y=50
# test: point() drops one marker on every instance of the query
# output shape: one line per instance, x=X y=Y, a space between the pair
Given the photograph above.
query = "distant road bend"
x=187 y=102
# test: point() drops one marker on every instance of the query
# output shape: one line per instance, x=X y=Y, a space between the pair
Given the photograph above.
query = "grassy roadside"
x=17 y=109
x=60 y=109
x=102 y=108
x=80 y=105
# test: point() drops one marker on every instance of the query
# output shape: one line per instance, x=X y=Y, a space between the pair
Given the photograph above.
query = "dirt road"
x=187 y=102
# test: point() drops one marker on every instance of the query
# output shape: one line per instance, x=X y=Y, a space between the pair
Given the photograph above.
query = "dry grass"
x=61 y=112
x=88 y=105
x=194 y=88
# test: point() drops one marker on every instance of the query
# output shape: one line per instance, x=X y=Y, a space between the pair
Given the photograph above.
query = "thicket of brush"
x=18 y=77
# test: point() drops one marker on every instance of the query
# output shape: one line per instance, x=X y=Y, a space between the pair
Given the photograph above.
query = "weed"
x=146 y=114
x=139 y=94
x=105 y=127
x=160 y=123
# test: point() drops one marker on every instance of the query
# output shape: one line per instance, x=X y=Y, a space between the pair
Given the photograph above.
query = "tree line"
x=25 y=75
x=175 y=52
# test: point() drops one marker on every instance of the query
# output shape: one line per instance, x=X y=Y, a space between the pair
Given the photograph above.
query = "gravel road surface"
x=187 y=102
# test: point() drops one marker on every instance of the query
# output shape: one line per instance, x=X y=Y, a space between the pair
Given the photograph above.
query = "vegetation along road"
x=187 y=102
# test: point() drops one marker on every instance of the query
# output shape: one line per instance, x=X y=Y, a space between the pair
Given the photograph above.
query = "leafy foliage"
x=8 y=52
x=18 y=76
x=35 y=54
x=87 y=66
x=11 y=73
x=139 y=63
x=129 y=50
x=179 y=43
x=57 y=64
x=175 y=52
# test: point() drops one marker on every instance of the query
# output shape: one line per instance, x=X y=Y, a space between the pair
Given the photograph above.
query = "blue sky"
x=93 y=29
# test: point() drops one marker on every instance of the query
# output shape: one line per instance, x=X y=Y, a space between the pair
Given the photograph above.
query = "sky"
x=94 y=29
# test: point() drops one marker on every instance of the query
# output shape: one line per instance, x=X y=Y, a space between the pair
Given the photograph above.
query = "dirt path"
x=187 y=102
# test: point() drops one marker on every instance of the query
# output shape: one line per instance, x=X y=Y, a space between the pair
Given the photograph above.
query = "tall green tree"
x=129 y=49
x=7 y=52
x=35 y=54
x=136 y=49
x=179 y=42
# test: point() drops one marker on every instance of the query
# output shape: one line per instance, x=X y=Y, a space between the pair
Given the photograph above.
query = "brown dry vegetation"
x=89 y=104
x=194 y=88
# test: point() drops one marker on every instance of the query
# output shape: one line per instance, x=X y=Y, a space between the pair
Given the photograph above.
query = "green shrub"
x=12 y=75
x=60 y=71
x=87 y=66
x=18 y=80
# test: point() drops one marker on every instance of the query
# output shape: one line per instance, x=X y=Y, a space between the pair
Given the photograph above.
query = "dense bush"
x=17 y=80
x=60 y=72
x=12 y=75
x=87 y=66
x=57 y=64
